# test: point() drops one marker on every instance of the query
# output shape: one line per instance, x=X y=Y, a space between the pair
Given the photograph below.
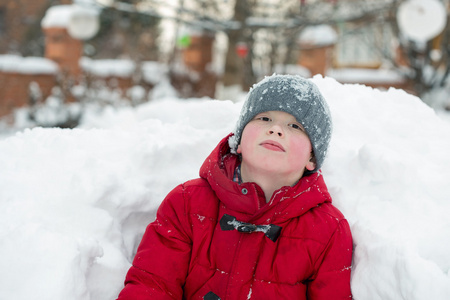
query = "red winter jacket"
x=216 y=239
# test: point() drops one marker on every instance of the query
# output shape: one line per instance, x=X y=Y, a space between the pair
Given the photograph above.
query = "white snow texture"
x=75 y=203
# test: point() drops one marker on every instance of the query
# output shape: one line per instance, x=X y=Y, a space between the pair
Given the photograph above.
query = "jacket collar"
x=248 y=198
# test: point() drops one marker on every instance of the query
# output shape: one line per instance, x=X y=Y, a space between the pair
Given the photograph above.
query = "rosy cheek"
x=301 y=146
x=249 y=136
x=252 y=132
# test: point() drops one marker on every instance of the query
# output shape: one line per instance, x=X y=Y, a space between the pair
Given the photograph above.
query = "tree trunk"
x=237 y=69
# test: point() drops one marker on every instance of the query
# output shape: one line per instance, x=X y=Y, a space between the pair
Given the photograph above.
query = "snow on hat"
x=297 y=96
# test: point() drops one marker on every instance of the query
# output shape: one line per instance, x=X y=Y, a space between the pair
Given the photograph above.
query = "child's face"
x=274 y=142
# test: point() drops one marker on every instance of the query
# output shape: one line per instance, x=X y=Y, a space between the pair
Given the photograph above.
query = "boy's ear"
x=239 y=150
x=311 y=164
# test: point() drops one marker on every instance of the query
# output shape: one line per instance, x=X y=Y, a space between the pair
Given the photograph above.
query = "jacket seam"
x=278 y=282
x=233 y=266
x=153 y=275
x=254 y=278
x=301 y=238
x=208 y=267
x=339 y=218
x=263 y=243
x=326 y=247
x=186 y=212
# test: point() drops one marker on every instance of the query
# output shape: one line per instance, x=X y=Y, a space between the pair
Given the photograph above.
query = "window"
x=362 y=46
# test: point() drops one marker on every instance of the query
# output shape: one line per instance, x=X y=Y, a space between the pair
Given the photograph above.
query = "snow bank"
x=74 y=203
x=388 y=170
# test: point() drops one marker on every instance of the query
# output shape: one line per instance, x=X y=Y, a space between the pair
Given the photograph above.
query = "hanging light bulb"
x=241 y=49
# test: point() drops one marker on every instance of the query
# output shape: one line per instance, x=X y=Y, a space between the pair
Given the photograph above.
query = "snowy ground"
x=74 y=203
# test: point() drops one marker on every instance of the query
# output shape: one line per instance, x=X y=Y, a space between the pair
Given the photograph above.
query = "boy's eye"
x=296 y=126
x=265 y=119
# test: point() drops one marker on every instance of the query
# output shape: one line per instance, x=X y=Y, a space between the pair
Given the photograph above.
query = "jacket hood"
x=248 y=198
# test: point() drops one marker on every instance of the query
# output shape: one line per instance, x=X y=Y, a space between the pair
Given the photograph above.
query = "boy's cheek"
x=302 y=147
x=250 y=133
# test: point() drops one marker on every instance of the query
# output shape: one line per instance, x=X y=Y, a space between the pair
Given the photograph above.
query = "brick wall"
x=14 y=89
x=16 y=17
x=20 y=19
x=60 y=48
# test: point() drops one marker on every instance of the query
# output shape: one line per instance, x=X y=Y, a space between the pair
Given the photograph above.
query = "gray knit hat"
x=297 y=96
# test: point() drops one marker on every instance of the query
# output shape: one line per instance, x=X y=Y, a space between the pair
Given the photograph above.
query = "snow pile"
x=74 y=203
x=388 y=170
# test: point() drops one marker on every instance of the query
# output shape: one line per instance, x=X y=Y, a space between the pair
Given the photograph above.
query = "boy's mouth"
x=272 y=145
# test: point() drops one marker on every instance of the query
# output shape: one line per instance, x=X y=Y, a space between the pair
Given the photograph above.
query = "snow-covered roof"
x=320 y=35
x=152 y=71
x=108 y=67
x=73 y=17
x=57 y=16
x=27 y=65
x=353 y=75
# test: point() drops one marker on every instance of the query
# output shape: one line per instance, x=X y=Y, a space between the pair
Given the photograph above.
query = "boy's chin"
x=276 y=169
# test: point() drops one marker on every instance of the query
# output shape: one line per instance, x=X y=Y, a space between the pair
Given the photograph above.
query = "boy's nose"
x=279 y=133
x=276 y=130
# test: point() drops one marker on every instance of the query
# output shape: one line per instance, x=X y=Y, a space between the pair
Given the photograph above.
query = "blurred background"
x=59 y=58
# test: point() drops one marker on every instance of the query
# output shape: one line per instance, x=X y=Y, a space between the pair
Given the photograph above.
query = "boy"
x=258 y=223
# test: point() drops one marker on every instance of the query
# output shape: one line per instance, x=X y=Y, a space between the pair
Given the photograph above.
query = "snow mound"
x=75 y=203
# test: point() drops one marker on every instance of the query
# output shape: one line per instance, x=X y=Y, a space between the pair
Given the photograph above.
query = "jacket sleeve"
x=332 y=280
x=161 y=263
